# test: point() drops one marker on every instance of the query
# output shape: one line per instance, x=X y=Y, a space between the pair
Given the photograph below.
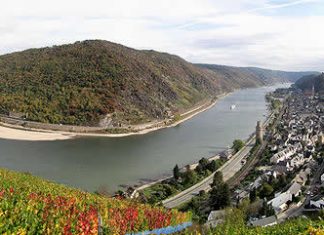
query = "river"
x=93 y=163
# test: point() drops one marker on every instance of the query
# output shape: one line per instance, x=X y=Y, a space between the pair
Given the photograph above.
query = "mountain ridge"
x=265 y=74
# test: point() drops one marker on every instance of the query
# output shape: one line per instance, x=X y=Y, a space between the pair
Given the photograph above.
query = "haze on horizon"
x=277 y=34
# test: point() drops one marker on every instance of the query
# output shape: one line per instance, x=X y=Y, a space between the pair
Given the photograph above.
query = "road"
x=228 y=169
x=255 y=158
x=247 y=167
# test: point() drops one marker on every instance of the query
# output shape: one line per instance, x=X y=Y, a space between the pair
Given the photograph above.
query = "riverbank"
x=191 y=166
x=232 y=164
x=13 y=133
x=19 y=132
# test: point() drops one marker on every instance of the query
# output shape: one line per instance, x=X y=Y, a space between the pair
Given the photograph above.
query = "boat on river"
x=233 y=106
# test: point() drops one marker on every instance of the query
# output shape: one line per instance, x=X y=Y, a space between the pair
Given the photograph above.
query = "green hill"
x=307 y=83
x=82 y=83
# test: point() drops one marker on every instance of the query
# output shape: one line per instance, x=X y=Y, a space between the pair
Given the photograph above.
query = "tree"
x=238 y=145
x=199 y=169
x=253 y=195
x=226 y=196
x=281 y=182
x=218 y=179
x=267 y=210
x=203 y=163
x=190 y=178
x=275 y=104
x=266 y=190
x=212 y=166
x=220 y=196
x=168 y=190
x=176 y=172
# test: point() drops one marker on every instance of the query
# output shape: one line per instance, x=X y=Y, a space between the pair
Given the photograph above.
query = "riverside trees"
x=176 y=172
x=217 y=198
x=238 y=145
x=181 y=180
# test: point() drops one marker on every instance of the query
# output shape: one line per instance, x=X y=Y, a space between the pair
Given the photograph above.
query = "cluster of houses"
x=294 y=146
x=319 y=203
x=292 y=151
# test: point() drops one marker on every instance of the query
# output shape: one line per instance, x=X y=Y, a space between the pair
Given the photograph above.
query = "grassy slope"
x=35 y=206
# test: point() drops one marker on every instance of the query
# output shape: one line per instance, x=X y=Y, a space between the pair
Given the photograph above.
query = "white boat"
x=233 y=106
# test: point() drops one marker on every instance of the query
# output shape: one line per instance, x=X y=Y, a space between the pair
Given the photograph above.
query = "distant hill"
x=82 y=83
x=248 y=75
x=310 y=81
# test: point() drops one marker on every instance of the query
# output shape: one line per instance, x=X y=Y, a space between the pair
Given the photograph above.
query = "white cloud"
x=268 y=6
x=234 y=32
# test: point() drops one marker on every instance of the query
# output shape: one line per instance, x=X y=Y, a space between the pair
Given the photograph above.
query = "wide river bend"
x=92 y=163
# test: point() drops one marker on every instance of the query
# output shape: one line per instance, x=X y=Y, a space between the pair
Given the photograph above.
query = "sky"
x=277 y=34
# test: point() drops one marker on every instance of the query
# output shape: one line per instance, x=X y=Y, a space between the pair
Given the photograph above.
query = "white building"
x=283 y=155
x=215 y=218
x=279 y=203
x=257 y=183
x=295 y=189
x=302 y=176
x=317 y=204
x=264 y=222
x=297 y=161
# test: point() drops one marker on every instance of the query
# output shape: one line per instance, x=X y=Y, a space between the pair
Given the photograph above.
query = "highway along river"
x=93 y=163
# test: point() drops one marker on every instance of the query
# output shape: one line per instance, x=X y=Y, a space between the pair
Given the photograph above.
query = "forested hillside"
x=84 y=82
x=308 y=82
x=248 y=75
